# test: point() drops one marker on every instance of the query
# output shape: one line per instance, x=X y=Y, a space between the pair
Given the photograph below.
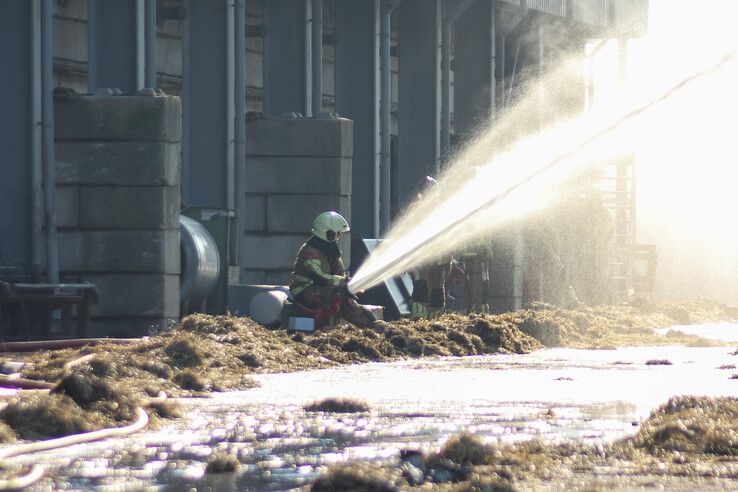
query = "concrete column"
x=286 y=73
x=474 y=67
x=357 y=98
x=419 y=93
x=17 y=135
x=118 y=204
x=117 y=44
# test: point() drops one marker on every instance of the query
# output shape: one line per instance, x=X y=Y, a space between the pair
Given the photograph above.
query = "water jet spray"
x=377 y=268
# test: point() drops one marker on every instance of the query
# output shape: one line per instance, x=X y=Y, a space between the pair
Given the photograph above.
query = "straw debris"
x=357 y=477
x=99 y=386
x=222 y=463
x=337 y=405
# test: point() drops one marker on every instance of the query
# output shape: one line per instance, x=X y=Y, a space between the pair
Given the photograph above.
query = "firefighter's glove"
x=418 y=310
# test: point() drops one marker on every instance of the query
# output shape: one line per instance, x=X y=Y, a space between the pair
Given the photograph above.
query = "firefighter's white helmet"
x=329 y=226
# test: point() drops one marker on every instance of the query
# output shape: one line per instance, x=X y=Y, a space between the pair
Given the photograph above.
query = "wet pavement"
x=592 y=396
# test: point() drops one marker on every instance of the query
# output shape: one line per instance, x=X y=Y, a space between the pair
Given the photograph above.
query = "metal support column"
x=474 y=68
x=317 y=56
x=240 y=119
x=385 y=188
x=447 y=40
x=47 y=138
x=19 y=147
x=357 y=98
x=419 y=93
x=118 y=37
x=209 y=115
x=287 y=77
x=150 y=44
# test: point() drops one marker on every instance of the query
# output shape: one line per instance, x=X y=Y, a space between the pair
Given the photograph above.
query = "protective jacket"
x=318 y=263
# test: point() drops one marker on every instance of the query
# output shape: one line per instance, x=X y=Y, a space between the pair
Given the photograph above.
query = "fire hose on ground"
x=37 y=471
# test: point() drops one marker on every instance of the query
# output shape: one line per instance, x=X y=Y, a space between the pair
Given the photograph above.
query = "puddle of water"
x=561 y=394
x=725 y=332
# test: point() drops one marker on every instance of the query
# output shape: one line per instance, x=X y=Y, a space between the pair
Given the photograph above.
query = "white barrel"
x=266 y=307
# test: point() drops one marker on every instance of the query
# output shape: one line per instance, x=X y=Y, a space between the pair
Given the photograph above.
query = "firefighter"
x=477 y=260
x=319 y=278
x=429 y=280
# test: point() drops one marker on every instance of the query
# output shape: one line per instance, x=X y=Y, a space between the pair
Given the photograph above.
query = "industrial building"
x=126 y=122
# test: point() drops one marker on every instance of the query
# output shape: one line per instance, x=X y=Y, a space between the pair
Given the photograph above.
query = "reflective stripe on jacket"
x=318 y=263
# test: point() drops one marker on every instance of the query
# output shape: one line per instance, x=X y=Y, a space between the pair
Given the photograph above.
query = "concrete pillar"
x=117 y=181
x=297 y=168
x=419 y=93
x=287 y=74
x=474 y=67
x=17 y=135
x=118 y=44
x=357 y=98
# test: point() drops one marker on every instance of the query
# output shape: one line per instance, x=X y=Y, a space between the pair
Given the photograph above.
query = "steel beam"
x=474 y=67
x=419 y=93
x=17 y=135
x=117 y=38
x=317 y=56
x=287 y=80
x=385 y=189
x=208 y=130
x=357 y=98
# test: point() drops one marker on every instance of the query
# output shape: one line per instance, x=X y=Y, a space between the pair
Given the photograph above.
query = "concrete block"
x=255 y=213
x=115 y=118
x=254 y=277
x=279 y=277
x=270 y=252
x=262 y=254
x=118 y=163
x=129 y=207
x=67 y=206
x=129 y=327
x=137 y=295
x=295 y=213
x=119 y=251
x=331 y=175
x=299 y=137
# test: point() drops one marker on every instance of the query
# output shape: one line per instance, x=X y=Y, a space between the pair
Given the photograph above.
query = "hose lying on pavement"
x=22 y=383
x=141 y=421
x=20 y=482
x=64 y=344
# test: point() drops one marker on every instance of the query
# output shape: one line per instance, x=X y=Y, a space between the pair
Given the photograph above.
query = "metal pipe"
x=140 y=16
x=150 y=42
x=446 y=35
x=37 y=171
x=385 y=68
x=92 y=81
x=308 y=57
x=240 y=123
x=437 y=71
x=186 y=183
x=8 y=347
x=376 y=118
x=446 y=91
x=493 y=64
x=317 y=60
x=384 y=117
x=47 y=112
x=230 y=91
